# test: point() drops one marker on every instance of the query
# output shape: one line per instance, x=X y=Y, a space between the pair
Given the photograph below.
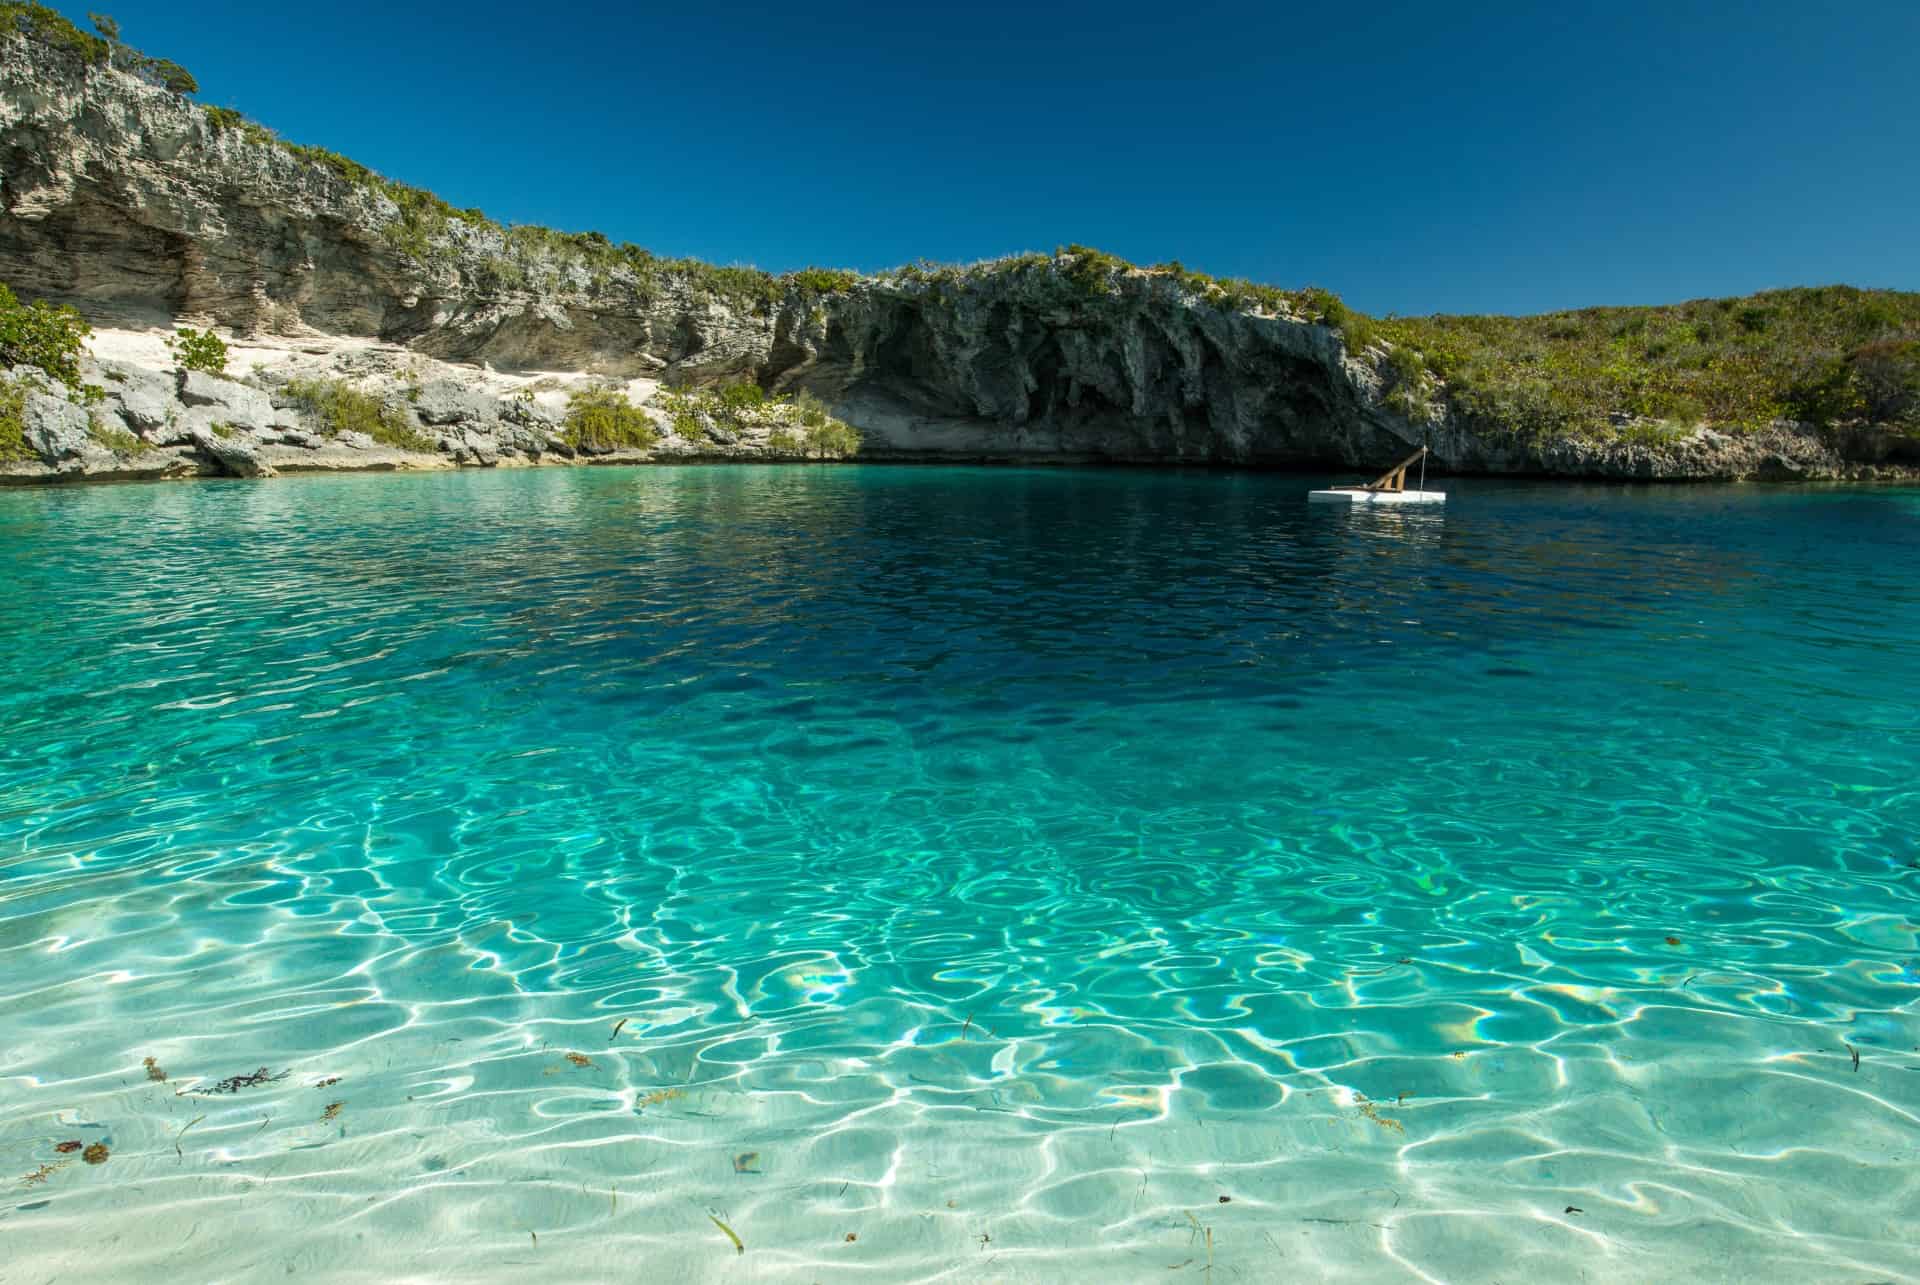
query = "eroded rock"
x=237 y=456
x=445 y=402
x=231 y=403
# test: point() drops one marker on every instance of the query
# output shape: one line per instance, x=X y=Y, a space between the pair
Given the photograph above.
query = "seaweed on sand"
x=739 y=1247
x=1369 y=1110
x=183 y=1133
x=235 y=1083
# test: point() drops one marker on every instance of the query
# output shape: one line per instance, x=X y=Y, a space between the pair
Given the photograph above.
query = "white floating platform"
x=1376 y=497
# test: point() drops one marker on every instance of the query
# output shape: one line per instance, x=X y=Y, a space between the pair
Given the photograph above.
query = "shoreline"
x=151 y=421
x=422 y=464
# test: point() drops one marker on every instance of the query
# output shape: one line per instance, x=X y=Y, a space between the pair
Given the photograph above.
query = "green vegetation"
x=117 y=440
x=1835 y=355
x=821 y=434
x=687 y=414
x=342 y=408
x=602 y=419
x=1828 y=355
x=736 y=399
x=831 y=440
x=200 y=350
x=822 y=280
x=39 y=23
x=13 y=423
x=47 y=338
x=1086 y=277
x=744 y=405
x=498 y=274
x=540 y=256
x=1092 y=271
x=47 y=27
x=1878 y=382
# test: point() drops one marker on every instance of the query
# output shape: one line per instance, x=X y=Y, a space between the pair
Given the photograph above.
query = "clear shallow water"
x=999 y=867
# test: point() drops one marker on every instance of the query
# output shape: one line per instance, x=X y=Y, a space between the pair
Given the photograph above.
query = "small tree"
x=47 y=338
x=734 y=398
x=172 y=76
x=831 y=440
x=106 y=26
x=602 y=418
x=200 y=350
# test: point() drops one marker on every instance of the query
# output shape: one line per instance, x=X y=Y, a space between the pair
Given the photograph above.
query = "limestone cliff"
x=138 y=205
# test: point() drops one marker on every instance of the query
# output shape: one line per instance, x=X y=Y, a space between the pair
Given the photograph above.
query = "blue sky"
x=1455 y=157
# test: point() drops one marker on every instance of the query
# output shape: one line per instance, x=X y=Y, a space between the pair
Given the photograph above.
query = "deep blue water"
x=1037 y=854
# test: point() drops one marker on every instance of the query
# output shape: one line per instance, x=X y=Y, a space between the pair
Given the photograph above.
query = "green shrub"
x=684 y=412
x=1092 y=272
x=117 y=440
x=1885 y=375
x=200 y=350
x=782 y=442
x=601 y=418
x=1821 y=392
x=1652 y=433
x=341 y=408
x=823 y=280
x=47 y=338
x=422 y=218
x=170 y=75
x=811 y=410
x=737 y=397
x=497 y=273
x=220 y=429
x=39 y=23
x=13 y=423
x=831 y=439
x=221 y=119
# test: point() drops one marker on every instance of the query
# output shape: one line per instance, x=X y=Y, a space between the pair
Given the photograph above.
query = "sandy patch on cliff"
x=347 y=357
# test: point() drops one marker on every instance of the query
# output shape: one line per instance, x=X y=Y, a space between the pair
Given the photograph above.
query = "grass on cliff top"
x=1825 y=355
x=46 y=26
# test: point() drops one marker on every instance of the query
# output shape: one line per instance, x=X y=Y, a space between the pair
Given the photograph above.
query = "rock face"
x=132 y=202
x=238 y=456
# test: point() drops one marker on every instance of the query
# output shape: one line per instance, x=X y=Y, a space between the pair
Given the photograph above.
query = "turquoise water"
x=945 y=873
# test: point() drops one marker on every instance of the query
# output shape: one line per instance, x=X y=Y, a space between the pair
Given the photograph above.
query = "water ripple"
x=949 y=874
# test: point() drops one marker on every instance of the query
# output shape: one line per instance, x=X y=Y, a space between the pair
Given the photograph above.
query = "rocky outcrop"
x=135 y=203
x=126 y=420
